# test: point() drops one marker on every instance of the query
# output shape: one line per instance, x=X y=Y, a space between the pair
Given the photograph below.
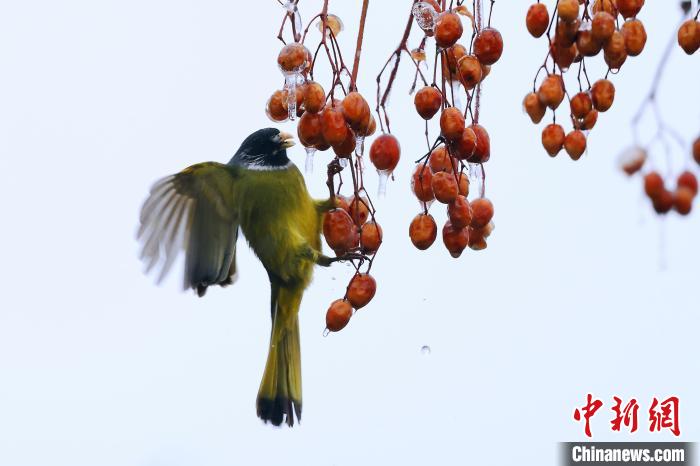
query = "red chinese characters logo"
x=662 y=414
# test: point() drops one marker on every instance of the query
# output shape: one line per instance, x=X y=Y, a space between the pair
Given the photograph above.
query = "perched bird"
x=263 y=193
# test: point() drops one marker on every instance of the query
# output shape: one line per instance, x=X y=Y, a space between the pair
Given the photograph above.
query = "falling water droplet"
x=326 y=332
x=383 y=178
x=425 y=350
x=310 y=151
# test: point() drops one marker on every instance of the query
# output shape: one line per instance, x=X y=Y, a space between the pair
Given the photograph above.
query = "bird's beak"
x=287 y=140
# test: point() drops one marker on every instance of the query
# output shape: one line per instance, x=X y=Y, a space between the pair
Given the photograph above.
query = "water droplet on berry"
x=326 y=332
x=425 y=16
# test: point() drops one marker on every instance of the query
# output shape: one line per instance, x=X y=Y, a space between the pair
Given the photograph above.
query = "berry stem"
x=358 y=49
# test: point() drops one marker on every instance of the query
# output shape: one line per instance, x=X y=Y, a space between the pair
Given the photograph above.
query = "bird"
x=261 y=193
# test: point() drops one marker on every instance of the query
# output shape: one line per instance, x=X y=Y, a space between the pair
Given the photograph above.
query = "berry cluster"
x=463 y=145
x=582 y=29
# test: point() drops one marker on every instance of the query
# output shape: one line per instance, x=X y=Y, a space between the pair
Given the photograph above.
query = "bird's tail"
x=279 y=397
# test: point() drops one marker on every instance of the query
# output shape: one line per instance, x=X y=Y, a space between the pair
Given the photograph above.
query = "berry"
x=551 y=91
x=339 y=231
x=440 y=160
x=602 y=26
x=333 y=125
x=445 y=187
x=553 y=139
x=482 y=151
x=635 y=37
x=653 y=185
x=464 y=147
x=478 y=236
x=587 y=45
x=338 y=315
x=456 y=239
x=469 y=69
x=428 y=101
x=605 y=5
x=615 y=51
x=451 y=123
x=276 y=108
x=355 y=109
x=632 y=160
x=361 y=290
x=565 y=33
x=689 y=36
x=460 y=212
x=563 y=56
x=454 y=54
x=575 y=144
x=309 y=129
x=448 y=29
x=358 y=209
x=537 y=19
x=534 y=108
x=314 y=97
x=347 y=147
x=581 y=105
x=371 y=237
x=589 y=120
x=385 y=152
x=482 y=212
x=423 y=231
x=488 y=46
x=463 y=183
x=663 y=202
x=292 y=58
x=629 y=8
x=603 y=95
x=683 y=200
x=568 y=10
x=421 y=183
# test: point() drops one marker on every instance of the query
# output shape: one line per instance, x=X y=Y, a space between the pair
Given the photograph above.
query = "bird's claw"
x=352 y=256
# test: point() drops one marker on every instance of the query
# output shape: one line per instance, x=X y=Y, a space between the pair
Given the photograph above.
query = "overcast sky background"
x=99 y=366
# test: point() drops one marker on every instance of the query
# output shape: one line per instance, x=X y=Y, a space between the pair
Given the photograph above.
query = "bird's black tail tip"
x=279 y=410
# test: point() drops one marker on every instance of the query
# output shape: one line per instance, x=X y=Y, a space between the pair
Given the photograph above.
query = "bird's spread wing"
x=194 y=210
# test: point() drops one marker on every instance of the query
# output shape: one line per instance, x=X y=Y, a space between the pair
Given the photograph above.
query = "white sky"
x=100 y=366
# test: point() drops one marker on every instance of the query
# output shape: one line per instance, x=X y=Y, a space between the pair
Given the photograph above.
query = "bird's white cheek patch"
x=267 y=168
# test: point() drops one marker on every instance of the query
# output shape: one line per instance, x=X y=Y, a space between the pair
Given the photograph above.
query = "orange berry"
x=602 y=94
x=338 y=315
x=568 y=10
x=688 y=180
x=333 y=125
x=632 y=160
x=371 y=237
x=587 y=45
x=358 y=209
x=361 y=290
x=482 y=151
x=276 y=108
x=423 y=231
x=421 y=183
x=689 y=36
x=615 y=51
x=454 y=54
x=551 y=91
x=469 y=69
x=605 y=5
x=339 y=231
x=460 y=212
x=309 y=129
x=553 y=139
x=575 y=144
x=445 y=187
x=440 y=160
x=581 y=105
x=629 y=8
x=355 y=109
x=347 y=147
x=565 y=33
x=463 y=183
x=537 y=19
x=314 y=97
x=428 y=101
x=635 y=37
x=482 y=212
x=455 y=239
x=451 y=123
x=448 y=29
x=488 y=46
x=589 y=120
x=563 y=56
x=292 y=57
x=464 y=147
x=385 y=152
x=683 y=200
x=533 y=107
x=603 y=26
x=663 y=202
x=653 y=185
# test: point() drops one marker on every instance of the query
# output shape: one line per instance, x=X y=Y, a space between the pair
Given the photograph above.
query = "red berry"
x=683 y=200
x=428 y=102
x=533 y=107
x=689 y=36
x=448 y=29
x=460 y=212
x=635 y=37
x=423 y=231
x=309 y=129
x=361 y=290
x=568 y=10
x=537 y=19
x=469 y=69
x=464 y=147
x=553 y=139
x=488 y=46
x=482 y=212
x=371 y=237
x=355 y=109
x=455 y=239
x=421 y=183
x=629 y=8
x=602 y=94
x=581 y=105
x=440 y=160
x=575 y=144
x=688 y=180
x=551 y=91
x=451 y=123
x=385 y=152
x=653 y=185
x=339 y=231
x=445 y=187
x=333 y=126
x=338 y=315
x=482 y=151
x=314 y=97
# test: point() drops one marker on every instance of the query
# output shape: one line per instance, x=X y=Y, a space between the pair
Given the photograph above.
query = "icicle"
x=310 y=151
x=290 y=85
x=383 y=178
x=343 y=162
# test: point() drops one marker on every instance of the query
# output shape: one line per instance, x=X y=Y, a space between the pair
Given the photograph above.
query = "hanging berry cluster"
x=334 y=119
x=463 y=145
x=582 y=29
x=663 y=162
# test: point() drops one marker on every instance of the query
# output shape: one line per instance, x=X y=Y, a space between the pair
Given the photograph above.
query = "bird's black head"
x=264 y=149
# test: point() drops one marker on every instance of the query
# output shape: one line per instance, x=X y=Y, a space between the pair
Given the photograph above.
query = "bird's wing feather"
x=194 y=210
